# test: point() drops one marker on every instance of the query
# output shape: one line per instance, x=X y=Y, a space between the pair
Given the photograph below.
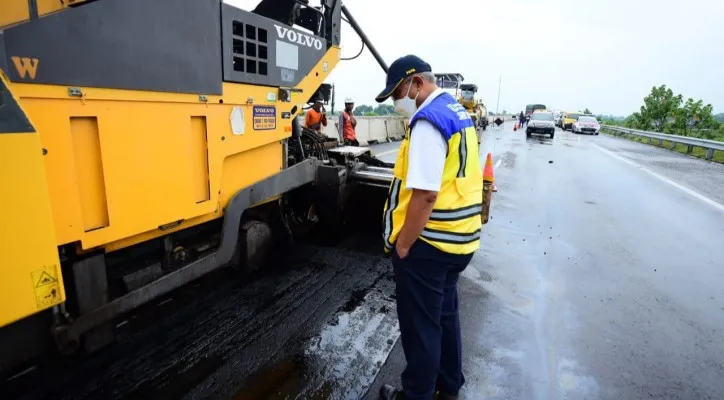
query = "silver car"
x=541 y=122
x=586 y=124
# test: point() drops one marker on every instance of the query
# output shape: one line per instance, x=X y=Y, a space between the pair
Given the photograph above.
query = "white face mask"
x=406 y=106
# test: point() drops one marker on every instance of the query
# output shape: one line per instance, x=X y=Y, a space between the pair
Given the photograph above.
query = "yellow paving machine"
x=465 y=95
x=475 y=106
x=144 y=144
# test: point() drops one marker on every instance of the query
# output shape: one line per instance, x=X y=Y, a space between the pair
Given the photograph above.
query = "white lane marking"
x=662 y=178
x=500 y=161
x=386 y=152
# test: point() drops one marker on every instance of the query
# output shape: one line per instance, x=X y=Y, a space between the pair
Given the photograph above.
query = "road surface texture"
x=599 y=277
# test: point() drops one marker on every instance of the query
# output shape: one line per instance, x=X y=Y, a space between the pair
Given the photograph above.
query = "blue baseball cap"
x=402 y=68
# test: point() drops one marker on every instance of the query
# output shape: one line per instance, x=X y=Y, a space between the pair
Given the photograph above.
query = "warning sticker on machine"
x=264 y=118
x=46 y=287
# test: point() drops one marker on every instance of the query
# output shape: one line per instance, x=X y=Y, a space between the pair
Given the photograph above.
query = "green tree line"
x=381 y=109
x=666 y=112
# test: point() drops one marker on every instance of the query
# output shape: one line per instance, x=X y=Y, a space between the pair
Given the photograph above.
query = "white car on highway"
x=586 y=124
x=541 y=122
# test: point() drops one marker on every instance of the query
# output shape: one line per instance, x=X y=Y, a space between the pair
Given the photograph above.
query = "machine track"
x=318 y=326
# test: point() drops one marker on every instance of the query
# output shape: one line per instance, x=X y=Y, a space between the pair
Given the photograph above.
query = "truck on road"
x=531 y=108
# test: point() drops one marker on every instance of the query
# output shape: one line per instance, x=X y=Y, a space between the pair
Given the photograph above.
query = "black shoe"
x=389 y=392
x=445 y=396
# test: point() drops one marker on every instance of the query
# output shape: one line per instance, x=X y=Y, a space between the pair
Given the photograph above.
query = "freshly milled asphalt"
x=599 y=277
x=323 y=323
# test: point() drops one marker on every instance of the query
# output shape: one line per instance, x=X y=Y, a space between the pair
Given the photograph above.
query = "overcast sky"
x=566 y=54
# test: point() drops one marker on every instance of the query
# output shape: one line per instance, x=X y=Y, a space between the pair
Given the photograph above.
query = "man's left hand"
x=402 y=252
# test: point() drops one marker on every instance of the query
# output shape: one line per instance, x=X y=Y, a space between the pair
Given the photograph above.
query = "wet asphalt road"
x=599 y=277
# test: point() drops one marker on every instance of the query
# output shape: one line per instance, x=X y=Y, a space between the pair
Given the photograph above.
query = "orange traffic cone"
x=488 y=189
x=515 y=128
x=488 y=172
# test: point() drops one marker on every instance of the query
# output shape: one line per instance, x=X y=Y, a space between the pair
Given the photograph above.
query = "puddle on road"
x=540 y=140
x=343 y=359
x=185 y=378
x=509 y=159
x=527 y=349
x=279 y=382
x=574 y=383
x=518 y=303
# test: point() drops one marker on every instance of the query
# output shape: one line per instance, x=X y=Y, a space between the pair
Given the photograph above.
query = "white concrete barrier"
x=379 y=129
x=371 y=129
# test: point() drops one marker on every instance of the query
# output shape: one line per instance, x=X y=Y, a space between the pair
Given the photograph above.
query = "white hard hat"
x=348 y=100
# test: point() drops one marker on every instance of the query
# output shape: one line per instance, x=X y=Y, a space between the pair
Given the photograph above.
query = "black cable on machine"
x=360 y=50
x=365 y=40
x=358 y=54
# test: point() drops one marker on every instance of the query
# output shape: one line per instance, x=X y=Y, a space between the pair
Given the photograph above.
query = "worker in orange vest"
x=316 y=117
x=347 y=124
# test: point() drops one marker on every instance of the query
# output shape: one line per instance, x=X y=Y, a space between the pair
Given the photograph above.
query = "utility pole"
x=497 y=106
x=333 y=99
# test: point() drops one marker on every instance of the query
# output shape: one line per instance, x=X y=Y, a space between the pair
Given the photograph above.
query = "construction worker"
x=316 y=117
x=431 y=227
x=347 y=124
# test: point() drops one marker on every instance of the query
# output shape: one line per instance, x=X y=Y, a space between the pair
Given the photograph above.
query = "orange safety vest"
x=348 y=130
x=315 y=119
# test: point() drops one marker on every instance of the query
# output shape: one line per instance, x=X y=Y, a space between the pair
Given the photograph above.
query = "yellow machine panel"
x=109 y=150
x=135 y=163
x=30 y=269
x=122 y=167
x=16 y=11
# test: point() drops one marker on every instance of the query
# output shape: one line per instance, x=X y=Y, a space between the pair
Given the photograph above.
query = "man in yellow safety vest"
x=431 y=227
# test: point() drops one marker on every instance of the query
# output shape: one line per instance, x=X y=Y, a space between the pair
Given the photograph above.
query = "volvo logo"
x=298 y=37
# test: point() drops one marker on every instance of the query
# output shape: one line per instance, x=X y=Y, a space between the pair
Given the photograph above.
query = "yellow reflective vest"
x=455 y=225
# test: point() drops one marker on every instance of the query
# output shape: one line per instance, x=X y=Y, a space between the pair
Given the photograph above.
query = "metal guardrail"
x=690 y=142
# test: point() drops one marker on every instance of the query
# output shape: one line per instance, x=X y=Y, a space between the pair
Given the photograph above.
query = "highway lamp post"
x=497 y=106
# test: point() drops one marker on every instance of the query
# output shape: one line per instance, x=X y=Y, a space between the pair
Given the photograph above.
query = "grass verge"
x=697 y=152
